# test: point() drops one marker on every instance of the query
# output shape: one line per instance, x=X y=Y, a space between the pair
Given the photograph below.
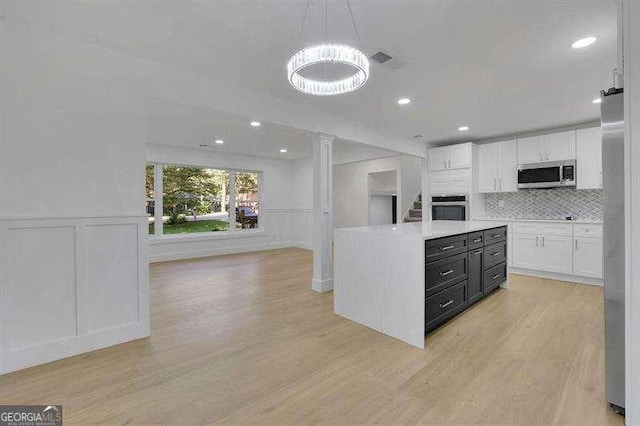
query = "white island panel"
x=379 y=279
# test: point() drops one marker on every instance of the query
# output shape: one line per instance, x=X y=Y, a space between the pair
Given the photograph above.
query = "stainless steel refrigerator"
x=612 y=112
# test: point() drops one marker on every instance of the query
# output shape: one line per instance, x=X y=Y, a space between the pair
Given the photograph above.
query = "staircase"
x=415 y=213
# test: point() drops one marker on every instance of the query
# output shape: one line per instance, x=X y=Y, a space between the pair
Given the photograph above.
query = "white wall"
x=285 y=198
x=73 y=254
x=380 y=210
x=301 y=198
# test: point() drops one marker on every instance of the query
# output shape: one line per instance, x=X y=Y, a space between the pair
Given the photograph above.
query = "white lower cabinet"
x=587 y=257
x=525 y=251
x=560 y=248
x=555 y=254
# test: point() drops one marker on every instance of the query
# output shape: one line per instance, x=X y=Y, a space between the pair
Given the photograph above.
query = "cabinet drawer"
x=494 y=276
x=445 y=247
x=587 y=231
x=526 y=228
x=444 y=272
x=559 y=229
x=476 y=240
x=494 y=254
x=494 y=235
x=445 y=304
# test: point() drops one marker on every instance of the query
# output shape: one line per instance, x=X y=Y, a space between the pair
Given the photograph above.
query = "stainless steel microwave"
x=556 y=174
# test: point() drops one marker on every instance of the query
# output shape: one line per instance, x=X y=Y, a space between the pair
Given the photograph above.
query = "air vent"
x=381 y=57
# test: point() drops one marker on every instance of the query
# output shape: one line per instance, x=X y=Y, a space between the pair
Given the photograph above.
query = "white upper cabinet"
x=508 y=168
x=449 y=157
x=530 y=150
x=552 y=147
x=459 y=156
x=560 y=146
x=488 y=167
x=589 y=158
x=497 y=167
x=436 y=159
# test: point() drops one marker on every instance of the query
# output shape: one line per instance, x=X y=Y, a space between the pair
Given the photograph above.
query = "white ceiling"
x=501 y=67
x=169 y=123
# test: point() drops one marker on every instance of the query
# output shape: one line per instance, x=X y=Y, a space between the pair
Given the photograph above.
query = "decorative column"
x=322 y=211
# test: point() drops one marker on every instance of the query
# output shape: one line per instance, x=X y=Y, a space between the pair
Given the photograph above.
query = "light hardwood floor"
x=242 y=338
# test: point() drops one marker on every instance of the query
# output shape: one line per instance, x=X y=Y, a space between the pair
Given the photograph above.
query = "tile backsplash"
x=586 y=204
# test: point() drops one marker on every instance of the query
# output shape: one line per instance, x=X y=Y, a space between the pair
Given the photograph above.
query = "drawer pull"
x=447 y=248
x=495 y=277
x=495 y=254
x=478 y=252
x=445 y=273
x=444 y=305
x=495 y=235
x=477 y=240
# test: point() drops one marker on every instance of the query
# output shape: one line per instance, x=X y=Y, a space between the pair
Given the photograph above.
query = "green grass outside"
x=197 y=226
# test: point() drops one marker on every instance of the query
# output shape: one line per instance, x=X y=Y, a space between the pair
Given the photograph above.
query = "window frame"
x=158 y=188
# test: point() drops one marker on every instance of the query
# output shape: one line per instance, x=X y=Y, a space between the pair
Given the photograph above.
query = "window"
x=247 y=202
x=150 y=199
x=200 y=200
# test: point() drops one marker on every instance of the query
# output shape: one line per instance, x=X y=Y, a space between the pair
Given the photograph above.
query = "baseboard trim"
x=322 y=286
x=556 y=276
x=196 y=254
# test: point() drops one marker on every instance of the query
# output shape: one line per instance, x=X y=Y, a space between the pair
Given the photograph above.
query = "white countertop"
x=576 y=221
x=428 y=230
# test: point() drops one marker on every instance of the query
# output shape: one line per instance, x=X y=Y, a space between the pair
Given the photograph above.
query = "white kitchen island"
x=386 y=275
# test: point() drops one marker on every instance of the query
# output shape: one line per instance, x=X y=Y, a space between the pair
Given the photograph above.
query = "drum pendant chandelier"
x=328 y=54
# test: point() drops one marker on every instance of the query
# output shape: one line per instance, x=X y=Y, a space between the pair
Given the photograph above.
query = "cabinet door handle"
x=445 y=273
x=536 y=241
x=449 y=163
x=496 y=254
x=499 y=184
x=445 y=304
x=478 y=252
x=445 y=248
x=495 y=235
x=547 y=155
x=576 y=244
x=495 y=277
x=445 y=164
x=542 y=241
x=477 y=240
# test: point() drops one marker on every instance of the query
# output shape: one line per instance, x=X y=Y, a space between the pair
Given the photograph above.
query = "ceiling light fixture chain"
x=304 y=20
x=355 y=26
x=327 y=54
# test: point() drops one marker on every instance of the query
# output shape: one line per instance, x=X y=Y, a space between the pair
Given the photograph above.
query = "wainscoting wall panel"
x=112 y=276
x=41 y=290
x=69 y=286
x=301 y=226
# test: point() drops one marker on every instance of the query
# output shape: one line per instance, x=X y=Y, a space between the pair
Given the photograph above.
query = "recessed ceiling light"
x=255 y=123
x=596 y=101
x=583 y=42
x=219 y=141
x=283 y=150
x=463 y=128
x=404 y=101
